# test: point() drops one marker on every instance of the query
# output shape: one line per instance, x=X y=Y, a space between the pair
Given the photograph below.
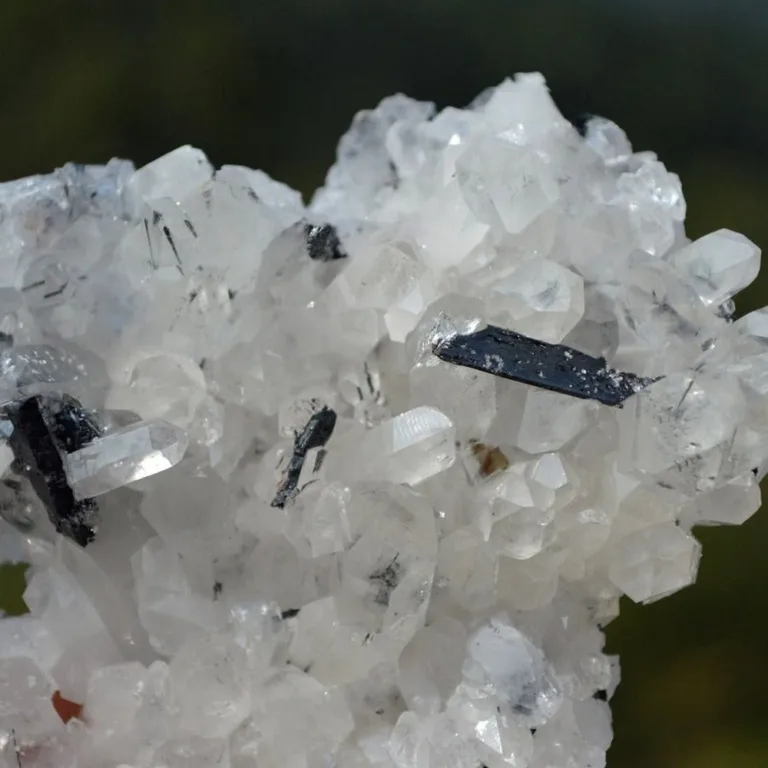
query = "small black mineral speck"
x=152 y=261
x=319 y=459
x=290 y=613
x=16 y=748
x=600 y=695
x=554 y=367
x=386 y=579
x=323 y=242
x=57 y=292
x=217 y=587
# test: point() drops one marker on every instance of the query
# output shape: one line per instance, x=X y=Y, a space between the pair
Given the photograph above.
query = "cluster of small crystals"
x=310 y=542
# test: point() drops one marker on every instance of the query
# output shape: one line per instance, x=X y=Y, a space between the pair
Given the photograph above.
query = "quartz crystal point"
x=124 y=456
x=362 y=480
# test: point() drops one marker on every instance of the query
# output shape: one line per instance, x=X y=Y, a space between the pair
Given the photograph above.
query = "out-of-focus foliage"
x=273 y=83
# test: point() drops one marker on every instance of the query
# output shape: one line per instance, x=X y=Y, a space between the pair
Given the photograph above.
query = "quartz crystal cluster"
x=356 y=484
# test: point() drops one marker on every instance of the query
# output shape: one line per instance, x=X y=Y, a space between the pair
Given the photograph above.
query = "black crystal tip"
x=554 y=367
x=323 y=243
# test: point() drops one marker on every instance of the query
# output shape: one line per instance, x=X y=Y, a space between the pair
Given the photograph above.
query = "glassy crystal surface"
x=358 y=483
x=125 y=456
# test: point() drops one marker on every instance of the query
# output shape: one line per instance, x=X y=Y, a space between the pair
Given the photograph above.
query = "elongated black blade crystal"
x=548 y=366
x=315 y=434
x=44 y=429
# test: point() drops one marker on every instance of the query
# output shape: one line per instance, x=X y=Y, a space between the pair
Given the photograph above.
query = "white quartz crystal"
x=293 y=533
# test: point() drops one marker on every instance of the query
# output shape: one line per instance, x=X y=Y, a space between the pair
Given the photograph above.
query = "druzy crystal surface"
x=356 y=484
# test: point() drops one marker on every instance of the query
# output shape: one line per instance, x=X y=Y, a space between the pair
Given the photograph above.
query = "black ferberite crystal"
x=315 y=434
x=323 y=242
x=548 y=366
x=43 y=429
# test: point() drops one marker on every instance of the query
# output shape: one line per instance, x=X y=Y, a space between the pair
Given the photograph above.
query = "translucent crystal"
x=503 y=664
x=170 y=609
x=409 y=448
x=654 y=562
x=293 y=716
x=731 y=504
x=681 y=427
x=468 y=567
x=112 y=702
x=718 y=265
x=209 y=691
x=513 y=198
x=26 y=710
x=133 y=453
x=193 y=752
x=35 y=369
x=549 y=421
x=430 y=665
x=173 y=175
x=540 y=299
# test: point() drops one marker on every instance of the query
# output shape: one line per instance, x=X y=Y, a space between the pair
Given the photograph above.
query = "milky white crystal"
x=314 y=542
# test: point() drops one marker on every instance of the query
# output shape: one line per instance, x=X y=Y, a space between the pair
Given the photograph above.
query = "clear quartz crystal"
x=315 y=541
x=718 y=265
x=125 y=456
x=408 y=448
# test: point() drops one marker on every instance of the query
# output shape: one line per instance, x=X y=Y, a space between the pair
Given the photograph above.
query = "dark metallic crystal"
x=315 y=435
x=323 y=242
x=548 y=366
x=44 y=428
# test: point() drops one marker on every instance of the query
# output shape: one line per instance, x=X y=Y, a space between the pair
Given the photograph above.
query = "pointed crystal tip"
x=130 y=454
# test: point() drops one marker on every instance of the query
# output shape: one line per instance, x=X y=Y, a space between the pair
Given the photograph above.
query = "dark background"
x=272 y=84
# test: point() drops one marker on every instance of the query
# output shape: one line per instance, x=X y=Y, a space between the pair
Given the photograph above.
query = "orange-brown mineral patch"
x=490 y=459
x=66 y=709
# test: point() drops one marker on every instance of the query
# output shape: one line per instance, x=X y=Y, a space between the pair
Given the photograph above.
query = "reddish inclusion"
x=66 y=709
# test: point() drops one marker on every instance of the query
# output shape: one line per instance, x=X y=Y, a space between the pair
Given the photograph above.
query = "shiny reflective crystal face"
x=356 y=484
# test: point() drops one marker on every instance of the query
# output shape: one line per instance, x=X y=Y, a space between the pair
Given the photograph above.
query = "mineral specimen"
x=360 y=481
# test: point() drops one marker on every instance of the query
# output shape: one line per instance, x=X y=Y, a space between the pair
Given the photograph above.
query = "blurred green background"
x=273 y=83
